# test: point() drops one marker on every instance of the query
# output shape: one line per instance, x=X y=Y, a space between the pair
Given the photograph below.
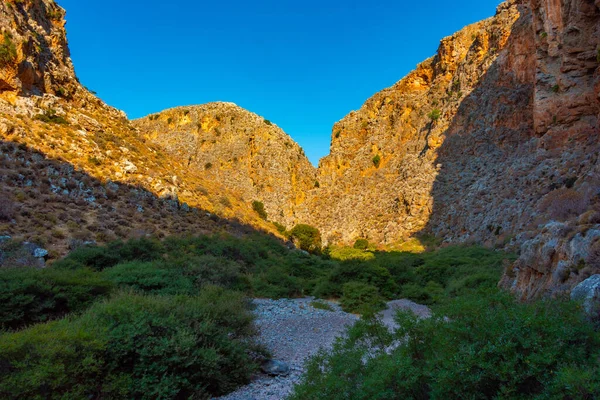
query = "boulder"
x=588 y=292
x=275 y=368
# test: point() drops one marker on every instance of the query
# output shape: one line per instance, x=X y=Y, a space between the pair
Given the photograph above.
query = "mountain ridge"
x=492 y=140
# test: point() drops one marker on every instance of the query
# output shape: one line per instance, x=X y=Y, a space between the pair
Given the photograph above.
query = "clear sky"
x=301 y=64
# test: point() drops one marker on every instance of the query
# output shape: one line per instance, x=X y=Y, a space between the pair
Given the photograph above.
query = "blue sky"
x=302 y=64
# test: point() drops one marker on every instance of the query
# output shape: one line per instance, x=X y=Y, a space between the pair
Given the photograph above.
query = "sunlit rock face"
x=487 y=142
x=244 y=152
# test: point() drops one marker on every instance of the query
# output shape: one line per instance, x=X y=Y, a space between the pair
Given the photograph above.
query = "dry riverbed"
x=293 y=330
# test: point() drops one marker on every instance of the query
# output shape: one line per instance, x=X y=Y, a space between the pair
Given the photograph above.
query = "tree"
x=306 y=237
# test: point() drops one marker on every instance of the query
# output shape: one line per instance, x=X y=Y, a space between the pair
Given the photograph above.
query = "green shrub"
x=29 y=296
x=259 y=208
x=8 y=50
x=376 y=161
x=361 y=298
x=435 y=114
x=50 y=117
x=266 y=121
x=150 y=277
x=480 y=347
x=356 y=271
x=319 y=305
x=135 y=347
x=280 y=228
x=361 y=244
x=306 y=237
x=101 y=257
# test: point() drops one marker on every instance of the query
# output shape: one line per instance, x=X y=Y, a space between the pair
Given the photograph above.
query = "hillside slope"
x=242 y=151
x=62 y=145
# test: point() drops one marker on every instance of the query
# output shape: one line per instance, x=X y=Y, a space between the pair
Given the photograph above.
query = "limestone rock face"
x=382 y=178
x=35 y=58
x=242 y=151
x=488 y=141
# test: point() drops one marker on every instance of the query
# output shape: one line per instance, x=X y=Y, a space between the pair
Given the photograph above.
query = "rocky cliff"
x=74 y=169
x=242 y=151
x=487 y=142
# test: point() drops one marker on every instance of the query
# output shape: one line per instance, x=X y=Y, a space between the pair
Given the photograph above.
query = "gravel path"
x=293 y=331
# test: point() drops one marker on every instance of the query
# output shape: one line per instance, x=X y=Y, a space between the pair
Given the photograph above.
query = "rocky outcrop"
x=588 y=292
x=244 y=152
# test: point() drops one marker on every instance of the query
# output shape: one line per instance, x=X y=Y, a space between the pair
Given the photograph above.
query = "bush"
x=564 y=203
x=376 y=160
x=259 y=208
x=361 y=298
x=8 y=50
x=481 y=347
x=29 y=296
x=7 y=207
x=135 y=347
x=150 y=277
x=50 y=117
x=306 y=237
x=361 y=244
x=101 y=257
x=435 y=114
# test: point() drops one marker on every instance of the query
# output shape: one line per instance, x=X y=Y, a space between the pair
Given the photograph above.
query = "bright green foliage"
x=358 y=297
x=135 y=347
x=477 y=347
x=8 y=50
x=435 y=114
x=259 y=208
x=308 y=237
x=29 y=296
x=361 y=244
x=376 y=160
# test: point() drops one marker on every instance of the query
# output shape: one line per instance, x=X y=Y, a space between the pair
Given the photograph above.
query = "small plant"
x=544 y=35
x=225 y=201
x=317 y=184
x=208 y=165
x=94 y=161
x=268 y=122
x=170 y=120
x=280 y=228
x=376 y=161
x=319 y=305
x=361 y=244
x=435 y=114
x=337 y=133
x=50 y=117
x=8 y=50
x=259 y=208
x=556 y=88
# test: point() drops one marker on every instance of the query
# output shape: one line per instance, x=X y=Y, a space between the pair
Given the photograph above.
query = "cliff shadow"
x=53 y=204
